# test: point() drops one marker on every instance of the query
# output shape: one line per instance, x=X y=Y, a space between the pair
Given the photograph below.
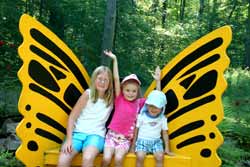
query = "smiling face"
x=102 y=82
x=130 y=90
x=153 y=111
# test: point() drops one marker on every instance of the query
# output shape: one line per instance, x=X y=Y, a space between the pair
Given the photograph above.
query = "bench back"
x=53 y=78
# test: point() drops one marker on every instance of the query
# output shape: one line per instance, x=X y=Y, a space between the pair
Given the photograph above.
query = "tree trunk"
x=182 y=9
x=163 y=23
x=109 y=30
x=213 y=15
x=200 y=16
x=247 y=43
x=231 y=13
x=164 y=13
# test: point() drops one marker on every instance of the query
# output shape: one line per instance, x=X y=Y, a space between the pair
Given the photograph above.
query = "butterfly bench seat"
x=51 y=158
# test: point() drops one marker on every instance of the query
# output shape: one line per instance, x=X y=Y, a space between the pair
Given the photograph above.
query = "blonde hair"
x=139 y=94
x=109 y=93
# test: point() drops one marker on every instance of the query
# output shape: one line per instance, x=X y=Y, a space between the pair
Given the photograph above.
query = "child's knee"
x=159 y=156
x=88 y=158
x=119 y=158
x=107 y=158
x=140 y=157
x=63 y=161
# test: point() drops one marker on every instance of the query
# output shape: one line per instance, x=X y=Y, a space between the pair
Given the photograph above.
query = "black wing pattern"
x=52 y=80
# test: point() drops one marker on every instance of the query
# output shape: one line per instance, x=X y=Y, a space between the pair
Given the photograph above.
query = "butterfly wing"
x=52 y=80
x=193 y=83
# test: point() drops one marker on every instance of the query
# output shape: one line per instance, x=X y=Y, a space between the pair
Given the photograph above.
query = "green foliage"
x=9 y=41
x=8 y=160
x=232 y=155
x=140 y=41
x=238 y=94
x=235 y=127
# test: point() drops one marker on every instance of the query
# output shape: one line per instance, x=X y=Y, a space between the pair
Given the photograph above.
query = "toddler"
x=151 y=126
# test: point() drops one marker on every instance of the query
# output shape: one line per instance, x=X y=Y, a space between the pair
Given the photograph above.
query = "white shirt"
x=93 y=117
x=150 y=128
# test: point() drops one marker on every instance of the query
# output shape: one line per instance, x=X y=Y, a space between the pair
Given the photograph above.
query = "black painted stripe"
x=190 y=141
x=186 y=128
x=203 y=85
x=46 y=56
x=51 y=122
x=202 y=64
x=50 y=45
x=57 y=73
x=173 y=102
x=49 y=96
x=213 y=44
x=42 y=76
x=48 y=135
x=188 y=81
x=190 y=107
x=71 y=95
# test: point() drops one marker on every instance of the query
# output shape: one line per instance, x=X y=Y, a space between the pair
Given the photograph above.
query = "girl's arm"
x=115 y=72
x=157 y=77
x=166 y=143
x=74 y=114
x=132 y=148
x=137 y=126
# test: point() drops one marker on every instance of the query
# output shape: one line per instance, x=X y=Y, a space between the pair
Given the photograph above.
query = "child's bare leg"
x=89 y=155
x=159 y=156
x=107 y=156
x=66 y=158
x=119 y=156
x=140 y=155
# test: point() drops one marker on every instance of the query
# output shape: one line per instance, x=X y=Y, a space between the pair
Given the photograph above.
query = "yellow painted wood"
x=51 y=158
x=41 y=115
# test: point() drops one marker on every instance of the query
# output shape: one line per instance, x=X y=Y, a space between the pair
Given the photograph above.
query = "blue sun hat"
x=157 y=98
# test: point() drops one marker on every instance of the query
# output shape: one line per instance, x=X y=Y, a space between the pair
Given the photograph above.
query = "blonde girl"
x=86 y=124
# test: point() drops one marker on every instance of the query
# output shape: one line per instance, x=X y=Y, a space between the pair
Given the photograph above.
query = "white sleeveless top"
x=93 y=117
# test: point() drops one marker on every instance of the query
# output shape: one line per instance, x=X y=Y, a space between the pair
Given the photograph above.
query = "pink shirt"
x=124 y=118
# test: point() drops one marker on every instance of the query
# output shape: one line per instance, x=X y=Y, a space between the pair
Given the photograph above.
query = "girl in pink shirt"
x=127 y=106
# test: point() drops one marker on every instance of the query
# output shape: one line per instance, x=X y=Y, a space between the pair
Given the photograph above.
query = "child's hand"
x=67 y=147
x=157 y=74
x=169 y=153
x=109 y=54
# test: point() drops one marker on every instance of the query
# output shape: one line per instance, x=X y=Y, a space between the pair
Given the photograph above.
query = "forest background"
x=143 y=34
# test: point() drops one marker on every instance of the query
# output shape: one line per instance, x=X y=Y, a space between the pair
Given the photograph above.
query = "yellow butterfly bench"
x=51 y=158
x=53 y=78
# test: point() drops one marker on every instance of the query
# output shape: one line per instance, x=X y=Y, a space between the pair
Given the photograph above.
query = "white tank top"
x=93 y=117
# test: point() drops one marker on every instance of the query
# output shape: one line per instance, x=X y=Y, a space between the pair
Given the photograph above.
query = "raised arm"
x=157 y=77
x=115 y=72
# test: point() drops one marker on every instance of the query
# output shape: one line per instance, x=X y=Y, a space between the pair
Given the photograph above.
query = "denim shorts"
x=82 y=140
x=149 y=146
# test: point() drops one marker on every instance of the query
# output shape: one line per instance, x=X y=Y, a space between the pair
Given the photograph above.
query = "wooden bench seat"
x=51 y=158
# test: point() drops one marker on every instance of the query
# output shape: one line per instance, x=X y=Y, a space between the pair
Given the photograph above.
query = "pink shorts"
x=117 y=141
